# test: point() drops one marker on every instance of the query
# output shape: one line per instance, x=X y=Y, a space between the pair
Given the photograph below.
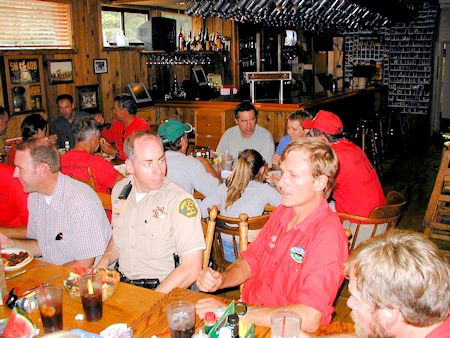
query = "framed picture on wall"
x=100 y=66
x=88 y=99
x=60 y=71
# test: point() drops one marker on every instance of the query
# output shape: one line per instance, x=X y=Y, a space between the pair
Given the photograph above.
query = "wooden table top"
x=125 y=306
x=142 y=309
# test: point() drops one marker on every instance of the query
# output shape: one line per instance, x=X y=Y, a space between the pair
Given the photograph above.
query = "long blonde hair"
x=247 y=167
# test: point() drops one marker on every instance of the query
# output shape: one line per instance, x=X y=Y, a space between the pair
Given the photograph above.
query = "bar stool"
x=366 y=133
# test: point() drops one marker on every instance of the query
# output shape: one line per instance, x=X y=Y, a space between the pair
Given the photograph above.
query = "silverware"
x=22 y=272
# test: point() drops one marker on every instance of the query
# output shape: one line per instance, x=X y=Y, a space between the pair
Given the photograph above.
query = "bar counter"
x=212 y=118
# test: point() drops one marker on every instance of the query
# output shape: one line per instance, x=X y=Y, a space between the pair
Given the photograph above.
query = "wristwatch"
x=240 y=309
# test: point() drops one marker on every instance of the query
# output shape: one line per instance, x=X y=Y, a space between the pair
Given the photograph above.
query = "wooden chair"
x=90 y=181
x=395 y=203
x=246 y=232
x=363 y=228
x=208 y=232
x=106 y=200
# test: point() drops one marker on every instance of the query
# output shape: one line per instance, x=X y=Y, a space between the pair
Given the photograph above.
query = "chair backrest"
x=106 y=200
x=363 y=228
x=90 y=181
x=395 y=202
x=242 y=234
x=208 y=232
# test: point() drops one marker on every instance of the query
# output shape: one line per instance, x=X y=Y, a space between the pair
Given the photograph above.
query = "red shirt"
x=13 y=200
x=441 y=331
x=74 y=163
x=117 y=133
x=358 y=190
x=312 y=276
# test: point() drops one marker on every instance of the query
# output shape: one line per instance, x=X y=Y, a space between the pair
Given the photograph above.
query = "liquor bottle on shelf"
x=181 y=41
x=175 y=85
x=218 y=42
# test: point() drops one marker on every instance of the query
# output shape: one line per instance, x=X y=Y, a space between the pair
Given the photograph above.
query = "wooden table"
x=142 y=309
x=125 y=306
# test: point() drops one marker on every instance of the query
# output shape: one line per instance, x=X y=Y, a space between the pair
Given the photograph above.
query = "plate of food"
x=14 y=259
x=110 y=282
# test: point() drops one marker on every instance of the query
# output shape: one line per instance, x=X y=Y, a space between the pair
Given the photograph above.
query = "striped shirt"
x=73 y=226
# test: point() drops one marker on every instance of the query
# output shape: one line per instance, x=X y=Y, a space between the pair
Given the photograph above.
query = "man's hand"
x=52 y=138
x=209 y=280
x=107 y=148
x=206 y=305
x=5 y=241
x=103 y=263
x=276 y=160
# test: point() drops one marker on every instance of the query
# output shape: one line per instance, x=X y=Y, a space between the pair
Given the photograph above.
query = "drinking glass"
x=50 y=301
x=285 y=324
x=181 y=318
x=91 y=296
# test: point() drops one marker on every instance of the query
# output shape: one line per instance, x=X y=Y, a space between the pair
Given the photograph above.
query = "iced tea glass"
x=50 y=300
x=91 y=296
x=181 y=318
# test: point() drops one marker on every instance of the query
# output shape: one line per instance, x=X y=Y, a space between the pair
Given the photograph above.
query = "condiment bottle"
x=233 y=324
x=225 y=332
x=200 y=334
x=210 y=320
x=67 y=145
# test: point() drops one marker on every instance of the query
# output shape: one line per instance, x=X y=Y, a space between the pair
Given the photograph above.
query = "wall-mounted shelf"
x=191 y=58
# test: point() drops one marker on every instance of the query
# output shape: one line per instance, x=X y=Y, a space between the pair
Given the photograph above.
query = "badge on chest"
x=159 y=213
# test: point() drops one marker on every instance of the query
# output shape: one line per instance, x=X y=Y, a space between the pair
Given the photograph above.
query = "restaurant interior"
x=381 y=66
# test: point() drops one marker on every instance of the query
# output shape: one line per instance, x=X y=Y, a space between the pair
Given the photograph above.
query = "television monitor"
x=200 y=76
x=290 y=38
x=139 y=93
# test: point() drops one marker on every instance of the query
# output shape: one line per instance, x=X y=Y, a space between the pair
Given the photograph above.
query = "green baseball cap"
x=171 y=130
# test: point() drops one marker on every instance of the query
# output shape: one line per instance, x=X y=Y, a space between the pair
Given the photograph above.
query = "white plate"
x=21 y=264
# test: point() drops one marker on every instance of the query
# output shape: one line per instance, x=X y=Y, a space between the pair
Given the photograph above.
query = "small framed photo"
x=88 y=99
x=60 y=71
x=100 y=66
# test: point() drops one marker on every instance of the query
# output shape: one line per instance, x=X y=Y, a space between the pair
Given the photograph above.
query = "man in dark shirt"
x=62 y=126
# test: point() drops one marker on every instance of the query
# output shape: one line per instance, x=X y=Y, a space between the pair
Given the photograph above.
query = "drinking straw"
x=47 y=301
x=283 y=326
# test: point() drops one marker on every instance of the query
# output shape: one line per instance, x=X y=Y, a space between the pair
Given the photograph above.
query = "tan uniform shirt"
x=148 y=233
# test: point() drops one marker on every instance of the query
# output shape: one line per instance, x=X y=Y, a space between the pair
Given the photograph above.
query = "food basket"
x=110 y=283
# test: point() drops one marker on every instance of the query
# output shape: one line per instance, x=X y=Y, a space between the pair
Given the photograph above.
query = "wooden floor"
x=412 y=172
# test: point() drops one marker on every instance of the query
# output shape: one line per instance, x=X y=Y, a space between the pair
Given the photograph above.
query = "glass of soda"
x=50 y=299
x=91 y=296
x=181 y=318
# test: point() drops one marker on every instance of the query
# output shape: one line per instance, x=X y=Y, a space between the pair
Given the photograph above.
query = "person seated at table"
x=63 y=124
x=247 y=134
x=296 y=260
x=67 y=224
x=188 y=172
x=125 y=123
x=294 y=131
x=154 y=220
x=358 y=190
x=33 y=126
x=244 y=191
x=75 y=162
x=399 y=286
x=13 y=205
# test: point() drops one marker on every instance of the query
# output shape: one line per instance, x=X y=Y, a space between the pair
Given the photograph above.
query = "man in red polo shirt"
x=358 y=190
x=13 y=204
x=75 y=162
x=296 y=260
x=125 y=110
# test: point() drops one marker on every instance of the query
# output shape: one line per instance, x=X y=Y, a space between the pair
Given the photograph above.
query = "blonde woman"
x=243 y=191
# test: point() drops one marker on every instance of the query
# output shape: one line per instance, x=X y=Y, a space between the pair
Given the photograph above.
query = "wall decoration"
x=100 y=66
x=60 y=71
x=88 y=99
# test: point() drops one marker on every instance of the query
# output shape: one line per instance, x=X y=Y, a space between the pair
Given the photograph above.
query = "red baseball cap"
x=326 y=122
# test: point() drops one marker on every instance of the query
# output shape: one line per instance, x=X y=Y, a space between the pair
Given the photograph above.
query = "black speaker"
x=164 y=34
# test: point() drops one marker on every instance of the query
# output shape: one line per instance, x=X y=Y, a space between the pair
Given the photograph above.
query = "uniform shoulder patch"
x=187 y=208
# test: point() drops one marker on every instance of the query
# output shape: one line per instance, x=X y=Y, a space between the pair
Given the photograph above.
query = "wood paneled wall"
x=125 y=65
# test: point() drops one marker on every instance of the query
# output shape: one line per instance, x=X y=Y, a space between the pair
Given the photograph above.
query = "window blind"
x=35 y=24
